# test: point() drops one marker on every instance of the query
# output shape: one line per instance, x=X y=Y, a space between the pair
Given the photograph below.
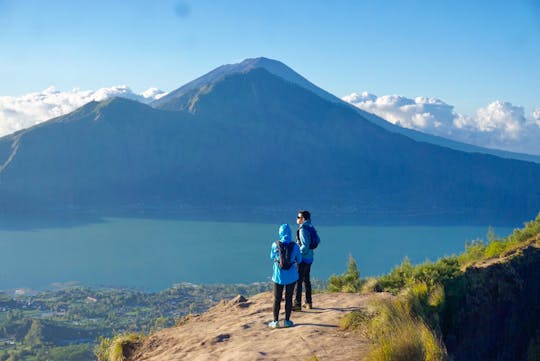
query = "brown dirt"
x=238 y=330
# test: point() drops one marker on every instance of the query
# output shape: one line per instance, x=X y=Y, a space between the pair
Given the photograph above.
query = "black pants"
x=303 y=277
x=278 y=293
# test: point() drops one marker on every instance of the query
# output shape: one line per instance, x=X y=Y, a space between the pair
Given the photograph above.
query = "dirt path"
x=237 y=330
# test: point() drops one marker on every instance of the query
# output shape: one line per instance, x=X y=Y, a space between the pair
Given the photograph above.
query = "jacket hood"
x=285 y=233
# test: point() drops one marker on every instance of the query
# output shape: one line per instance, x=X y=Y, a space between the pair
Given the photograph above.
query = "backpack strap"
x=278 y=244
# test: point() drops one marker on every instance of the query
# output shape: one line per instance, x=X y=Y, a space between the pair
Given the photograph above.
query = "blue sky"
x=467 y=53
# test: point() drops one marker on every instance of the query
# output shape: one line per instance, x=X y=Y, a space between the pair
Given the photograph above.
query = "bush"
x=477 y=250
x=407 y=275
x=532 y=229
x=473 y=252
x=115 y=349
x=398 y=278
x=347 y=282
x=495 y=249
x=102 y=348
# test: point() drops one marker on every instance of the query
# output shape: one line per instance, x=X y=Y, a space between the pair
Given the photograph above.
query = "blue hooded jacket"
x=304 y=241
x=282 y=276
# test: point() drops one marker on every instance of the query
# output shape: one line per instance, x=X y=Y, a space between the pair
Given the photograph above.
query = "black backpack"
x=285 y=251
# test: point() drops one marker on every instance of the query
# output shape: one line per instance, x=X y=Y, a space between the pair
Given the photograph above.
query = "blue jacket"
x=304 y=240
x=281 y=276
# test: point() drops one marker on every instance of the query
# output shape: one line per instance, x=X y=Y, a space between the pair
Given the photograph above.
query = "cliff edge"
x=238 y=330
x=492 y=311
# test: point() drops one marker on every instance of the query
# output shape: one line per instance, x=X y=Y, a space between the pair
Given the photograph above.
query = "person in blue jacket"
x=303 y=239
x=284 y=278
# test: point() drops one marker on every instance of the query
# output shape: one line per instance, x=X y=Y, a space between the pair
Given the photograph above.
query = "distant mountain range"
x=256 y=141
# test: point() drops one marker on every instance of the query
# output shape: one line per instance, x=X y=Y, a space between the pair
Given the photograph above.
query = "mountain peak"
x=206 y=81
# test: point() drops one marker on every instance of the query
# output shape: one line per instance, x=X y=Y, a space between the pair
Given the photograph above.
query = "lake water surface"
x=152 y=255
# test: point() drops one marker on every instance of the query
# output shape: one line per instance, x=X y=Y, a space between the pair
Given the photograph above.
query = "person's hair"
x=305 y=214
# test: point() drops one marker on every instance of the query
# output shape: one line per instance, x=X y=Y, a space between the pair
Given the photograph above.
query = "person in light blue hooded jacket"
x=284 y=278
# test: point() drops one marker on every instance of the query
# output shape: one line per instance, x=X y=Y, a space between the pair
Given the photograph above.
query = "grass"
x=355 y=320
x=400 y=333
x=497 y=248
x=406 y=275
x=407 y=328
x=115 y=349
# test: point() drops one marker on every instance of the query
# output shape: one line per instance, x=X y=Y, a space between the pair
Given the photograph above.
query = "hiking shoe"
x=273 y=324
x=297 y=308
x=288 y=323
x=308 y=306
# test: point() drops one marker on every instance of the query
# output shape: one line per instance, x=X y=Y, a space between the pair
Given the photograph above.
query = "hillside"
x=237 y=330
x=238 y=148
x=486 y=311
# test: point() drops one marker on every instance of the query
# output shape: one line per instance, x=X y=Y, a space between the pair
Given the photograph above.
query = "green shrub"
x=102 y=348
x=115 y=349
x=407 y=275
x=532 y=229
x=438 y=272
x=347 y=282
x=119 y=343
x=398 y=278
x=473 y=252
x=495 y=249
x=478 y=250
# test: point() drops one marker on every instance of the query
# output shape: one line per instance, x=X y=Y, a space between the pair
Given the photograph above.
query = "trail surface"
x=238 y=330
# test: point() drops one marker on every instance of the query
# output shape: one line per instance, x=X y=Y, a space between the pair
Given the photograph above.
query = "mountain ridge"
x=224 y=158
x=280 y=69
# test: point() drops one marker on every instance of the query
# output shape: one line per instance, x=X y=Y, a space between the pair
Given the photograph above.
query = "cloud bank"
x=30 y=109
x=498 y=125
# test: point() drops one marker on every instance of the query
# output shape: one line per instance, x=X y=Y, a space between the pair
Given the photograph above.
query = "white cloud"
x=430 y=115
x=497 y=125
x=30 y=109
x=536 y=116
x=501 y=118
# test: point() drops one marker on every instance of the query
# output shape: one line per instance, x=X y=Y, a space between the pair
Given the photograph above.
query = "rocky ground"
x=238 y=330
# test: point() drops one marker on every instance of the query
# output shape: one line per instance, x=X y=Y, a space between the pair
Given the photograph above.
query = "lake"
x=152 y=255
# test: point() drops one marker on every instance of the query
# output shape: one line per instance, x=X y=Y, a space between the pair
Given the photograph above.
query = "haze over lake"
x=155 y=254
